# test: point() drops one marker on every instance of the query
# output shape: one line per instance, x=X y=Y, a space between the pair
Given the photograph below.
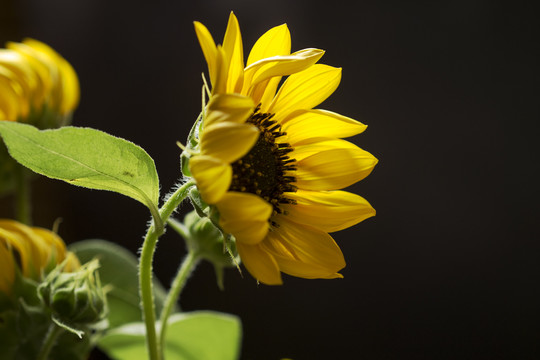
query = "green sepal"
x=198 y=203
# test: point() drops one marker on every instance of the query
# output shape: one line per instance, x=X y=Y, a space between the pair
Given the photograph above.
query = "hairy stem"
x=145 y=270
x=49 y=341
x=188 y=265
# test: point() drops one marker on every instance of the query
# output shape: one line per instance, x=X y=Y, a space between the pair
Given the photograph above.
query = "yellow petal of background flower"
x=307 y=245
x=261 y=265
x=280 y=66
x=312 y=125
x=47 y=72
x=7 y=268
x=232 y=45
x=334 y=169
x=306 y=89
x=228 y=141
x=276 y=41
x=56 y=248
x=245 y=216
x=14 y=241
x=213 y=177
x=10 y=100
x=229 y=107
x=209 y=49
x=328 y=211
x=68 y=81
x=37 y=250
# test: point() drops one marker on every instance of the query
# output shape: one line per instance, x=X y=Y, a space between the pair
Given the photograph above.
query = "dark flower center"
x=266 y=170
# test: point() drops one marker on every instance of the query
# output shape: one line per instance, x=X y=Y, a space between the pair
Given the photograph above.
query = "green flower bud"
x=76 y=297
x=207 y=241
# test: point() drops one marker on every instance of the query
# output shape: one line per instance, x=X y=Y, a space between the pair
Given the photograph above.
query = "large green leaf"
x=119 y=273
x=190 y=336
x=85 y=157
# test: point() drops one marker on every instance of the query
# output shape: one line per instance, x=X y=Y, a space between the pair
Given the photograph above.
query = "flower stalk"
x=49 y=341
x=145 y=269
x=186 y=268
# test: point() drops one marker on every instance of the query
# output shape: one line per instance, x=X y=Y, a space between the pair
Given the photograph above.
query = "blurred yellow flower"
x=31 y=250
x=38 y=86
x=270 y=163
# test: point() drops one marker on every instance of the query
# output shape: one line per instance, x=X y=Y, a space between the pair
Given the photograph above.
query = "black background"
x=449 y=267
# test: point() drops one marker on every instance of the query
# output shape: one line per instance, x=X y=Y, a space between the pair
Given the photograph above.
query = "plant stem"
x=145 y=270
x=48 y=342
x=22 y=196
x=188 y=265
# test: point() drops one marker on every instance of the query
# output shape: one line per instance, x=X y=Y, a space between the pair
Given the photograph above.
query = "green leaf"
x=118 y=270
x=85 y=157
x=190 y=336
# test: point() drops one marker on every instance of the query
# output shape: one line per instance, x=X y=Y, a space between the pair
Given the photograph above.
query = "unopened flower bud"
x=207 y=241
x=77 y=297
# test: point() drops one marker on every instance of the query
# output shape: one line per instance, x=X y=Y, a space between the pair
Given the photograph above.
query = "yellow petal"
x=213 y=177
x=306 y=245
x=23 y=74
x=232 y=45
x=209 y=49
x=46 y=77
x=276 y=41
x=308 y=126
x=56 y=249
x=38 y=251
x=298 y=268
x=219 y=85
x=334 y=169
x=7 y=268
x=68 y=86
x=280 y=66
x=306 y=89
x=9 y=101
x=328 y=211
x=229 y=107
x=261 y=265
x=263 y=93
x=15 y=241
x=228 y=141
x=303 y=151
x=72 y=262
x=245 y=216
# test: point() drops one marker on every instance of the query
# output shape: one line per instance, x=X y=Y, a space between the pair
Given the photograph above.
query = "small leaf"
x=85 y=157
x=118 y=270
x=190 y=336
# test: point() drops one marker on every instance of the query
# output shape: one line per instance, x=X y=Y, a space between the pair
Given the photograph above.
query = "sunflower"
x=272 y=165
x=38 y=85
x=30 y=251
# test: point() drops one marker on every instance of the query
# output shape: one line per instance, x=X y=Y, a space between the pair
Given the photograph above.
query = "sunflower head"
x=268 y=165
x=30 y=253
x=38 y=85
